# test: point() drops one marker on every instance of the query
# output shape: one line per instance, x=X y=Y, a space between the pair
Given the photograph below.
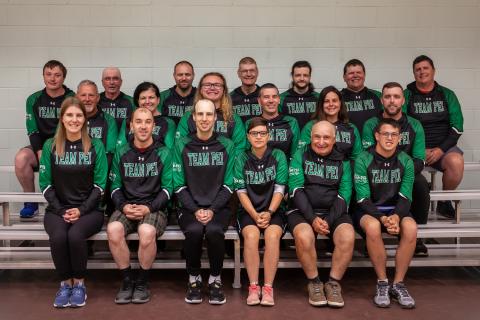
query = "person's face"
x=73 y=120
x=331 y=104
x=148 y=99
x=388 y=138
x=392 y=100
x=53 y=78
x=212 y=88
x=142 y=125
x=89 y=96
x=354 y=78
x=204 y=116
x=258 y=137
x=269 y=100
x=323 y=140
x=301 y=78
x=112 y=81
x=248 y=73
x=424 y=73
x=183 y=76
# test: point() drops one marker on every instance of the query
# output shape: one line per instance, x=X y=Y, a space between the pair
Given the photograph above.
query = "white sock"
x=211 y=279
x=193 y=279
x=383 y=280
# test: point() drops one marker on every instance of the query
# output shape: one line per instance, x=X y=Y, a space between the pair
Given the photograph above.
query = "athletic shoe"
x=421 y=249
x=79 y=295
x=125 y=293
x=215 y=293
x=333 y=292
x=267 y=296
x=62 y=298
x=382 y=298
x=445 y=208
x=194 y=292
x=30 y=210
x=253 y=295
x=399 y=293
x=316 y=296
x=141 y=293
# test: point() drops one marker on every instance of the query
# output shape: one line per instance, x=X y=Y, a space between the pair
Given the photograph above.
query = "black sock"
x=330 y=278
x=143 y=275
x=315 y=280
x=126 y=273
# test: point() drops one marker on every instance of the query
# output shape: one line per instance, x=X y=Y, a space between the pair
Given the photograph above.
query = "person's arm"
x=341 y=202
x=179 y=186
x=418 y=147
x=368 y=133
x=182 y=128
x=456 y=120
x=357 y=143
x=45 y=178
x=112 y=134
x=402 y=207
x=362 y=186
x=115 y=176
x=238 y=135
x=122 y=134
x=225 y=192
x=295 y=135
x=170 y=136
x=296 y=182
x=160 y=201
x=281 y=180
x=305 y=135
x=31 y=123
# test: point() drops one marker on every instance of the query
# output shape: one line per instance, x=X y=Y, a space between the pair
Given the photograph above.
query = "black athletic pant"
x=214 y=234
x=420 y=199
x=68 y=242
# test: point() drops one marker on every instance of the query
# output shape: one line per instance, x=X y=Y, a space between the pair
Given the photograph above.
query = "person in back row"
x=245 y=98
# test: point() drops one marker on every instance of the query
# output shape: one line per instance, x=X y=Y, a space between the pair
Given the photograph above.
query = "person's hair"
x=61 y=134
x=319 y=113
x=422 y=58
x=387 y=121
x=255 y=122
x=267 y=85
x=182 y=62
x=55 y=63
x=144 y=86
x=225 y=101
x=247 y=60
x=87 y=83
x=390 y=85
x=352 y=63
x=302 y=64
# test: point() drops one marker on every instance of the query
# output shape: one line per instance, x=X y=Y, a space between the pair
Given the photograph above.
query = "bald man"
x=320 y=185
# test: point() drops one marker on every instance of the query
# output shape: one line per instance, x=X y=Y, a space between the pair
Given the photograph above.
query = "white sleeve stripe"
x=179 y=190
x=168 y=193
x=229 y=190
x=48 y=187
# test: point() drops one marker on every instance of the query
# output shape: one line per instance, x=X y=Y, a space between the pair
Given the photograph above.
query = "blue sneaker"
x=30 y=209
x=62 y=299
x=78 y=297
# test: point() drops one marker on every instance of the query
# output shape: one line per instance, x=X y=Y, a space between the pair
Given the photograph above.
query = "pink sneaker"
x=267 y=296
x=253 y=295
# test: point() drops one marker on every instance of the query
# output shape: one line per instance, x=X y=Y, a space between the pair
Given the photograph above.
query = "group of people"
x=328 y=163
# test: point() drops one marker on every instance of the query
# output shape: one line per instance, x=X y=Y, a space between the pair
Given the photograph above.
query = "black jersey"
x=174 y=105
x=102 y=126
x=299 y=106
x=246 y=105
x=361 y=105
x=120 y=109
x=163 y=131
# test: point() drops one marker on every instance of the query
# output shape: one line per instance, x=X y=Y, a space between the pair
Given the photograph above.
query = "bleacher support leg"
x=236 y=264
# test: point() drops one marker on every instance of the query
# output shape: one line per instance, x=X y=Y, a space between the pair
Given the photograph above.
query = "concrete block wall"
x=145 y=38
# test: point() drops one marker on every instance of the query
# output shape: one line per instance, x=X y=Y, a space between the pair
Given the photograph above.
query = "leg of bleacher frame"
x=236 y=265
x=432 y=187
x=6 y=220
x=457 y=217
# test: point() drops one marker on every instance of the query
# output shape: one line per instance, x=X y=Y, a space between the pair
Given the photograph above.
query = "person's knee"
x=23 y=159
x=408 y=229
x=372 y=229
x=147 y=235
x=251 y=235
x=453 y=163
x=272 y=234
x=304 y=238
x=115 y=232
x=214 y=231
x=344 y=237
x=58 y=238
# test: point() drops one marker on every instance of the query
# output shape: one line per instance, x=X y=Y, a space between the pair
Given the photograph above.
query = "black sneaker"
x=421 y=249
x=194 y=292
x=141 y=294
x=215 y=293
x=445 y=208
x=125 y=293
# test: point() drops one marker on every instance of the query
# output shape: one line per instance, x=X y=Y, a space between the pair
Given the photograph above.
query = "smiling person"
x=383 y=183
x=73 y=174
x=245 y=98
x=438 y=110
x=260 y=178
x=147 y=95
x=203 y=182
x=331 y=108
x=42 y=111
x=213 y=86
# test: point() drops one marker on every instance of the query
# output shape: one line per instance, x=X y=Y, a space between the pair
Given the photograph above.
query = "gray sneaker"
x=141 y=293
x=399 y=293
x=125 y=293
x=316 y=296
x=382 y=298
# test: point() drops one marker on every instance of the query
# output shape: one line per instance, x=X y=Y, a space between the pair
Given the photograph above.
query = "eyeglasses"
x=262 y=134
x=390 y=134
x=212 y=85
x=252 y=71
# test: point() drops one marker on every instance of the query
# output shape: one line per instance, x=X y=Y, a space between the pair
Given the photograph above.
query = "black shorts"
x=244 y=219
x=438 y=164
x=359 y=213
x=295 y=218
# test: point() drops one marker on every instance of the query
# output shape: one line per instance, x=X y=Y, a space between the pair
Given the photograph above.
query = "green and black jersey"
x=233 y=130
x=142 y=176
x=319 y=184
x=246 y=105
x=203 y=172
x=42 y=113
x=261 y=178
x=412 y=138
x=439 y=113
x=120 y=108
x=76 y=180
x=383 y=181
x=362 y=105
x=299 y=106
x=163 y=132
x=103 y=126
x=174 y=105
x=348 y=139
x=283 y=132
